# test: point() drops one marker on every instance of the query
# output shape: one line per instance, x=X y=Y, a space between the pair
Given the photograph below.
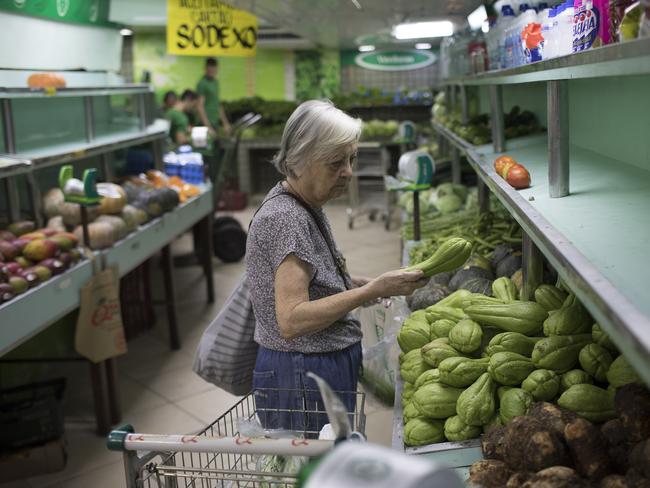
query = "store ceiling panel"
x=349 y=23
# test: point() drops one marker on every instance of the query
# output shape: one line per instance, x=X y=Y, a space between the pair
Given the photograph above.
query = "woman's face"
x=325 y=181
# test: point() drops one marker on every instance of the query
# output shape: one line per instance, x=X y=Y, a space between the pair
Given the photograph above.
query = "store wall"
x=263 y=75
x=31 y=43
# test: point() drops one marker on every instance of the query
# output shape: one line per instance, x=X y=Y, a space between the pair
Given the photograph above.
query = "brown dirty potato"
x=518 y=480
x=632 y=404
x=640 y=458
x=530 y=445
x=588 y=448
x=556 y=477
x=613 y=481
x=489 y=473
x=492 y=443
x=613 y=432
x=635 y=479
x=551 y=415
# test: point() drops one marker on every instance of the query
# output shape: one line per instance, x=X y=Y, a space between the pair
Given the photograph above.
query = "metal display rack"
x=34 y=311
x=593 y=235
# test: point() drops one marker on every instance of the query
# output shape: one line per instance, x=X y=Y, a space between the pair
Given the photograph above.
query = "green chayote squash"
x=440 y=328
x=456 y=430
x=543 y=384
x=437 y=312
x=413 y=366
x=621 y=373
x=574 y=377
x=514 y=402
x=436 y=401
x=550 y=297
x=476 y=405
x=602 y=339
x=418 y=315
x=479 y=299
x=466 y=336
x=461 y=372
x=559 y=353
x=504 y=289
x=413 y=334
x=501 y=390
x=411 y=412
x=420 y=432
x=509 y=368
x=429 y=376
x=454 y=300
x=512 y=342
x=595 y=360
x=437 y=350
x=407 y=392
x=589 y=401
x=569 y=320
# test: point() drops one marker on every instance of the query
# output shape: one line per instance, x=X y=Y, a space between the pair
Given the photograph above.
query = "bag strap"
x=339 y=261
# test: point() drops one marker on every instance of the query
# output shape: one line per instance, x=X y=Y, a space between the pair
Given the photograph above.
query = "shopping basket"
x=219 y=455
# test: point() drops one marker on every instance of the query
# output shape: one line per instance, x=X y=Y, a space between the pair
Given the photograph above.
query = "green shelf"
x=621 y=59
x=595 y=237
x=125 y=89
x=30 y=313
x=153 y=236
x=10 y=166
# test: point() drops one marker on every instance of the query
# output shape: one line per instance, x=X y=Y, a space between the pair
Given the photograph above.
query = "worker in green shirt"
x=179 y=128
x=209 y=107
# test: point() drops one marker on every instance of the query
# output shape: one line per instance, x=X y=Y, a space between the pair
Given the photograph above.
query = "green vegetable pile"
x=379 y=129
x=473 y=360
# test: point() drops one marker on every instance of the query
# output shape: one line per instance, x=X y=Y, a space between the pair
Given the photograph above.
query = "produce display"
x=514 y=173
x=550 y=446
x=475 y=357
x=478 y=131
x=30 y=256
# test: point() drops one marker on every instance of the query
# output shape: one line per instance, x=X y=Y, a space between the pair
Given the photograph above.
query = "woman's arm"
x=297 y=315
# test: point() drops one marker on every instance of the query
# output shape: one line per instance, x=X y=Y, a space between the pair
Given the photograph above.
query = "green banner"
x=86 y=12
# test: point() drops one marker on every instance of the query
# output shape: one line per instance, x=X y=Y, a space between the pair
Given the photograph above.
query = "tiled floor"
x=161 y=394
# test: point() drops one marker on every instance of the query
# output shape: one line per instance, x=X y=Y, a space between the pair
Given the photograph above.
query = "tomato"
x=518 y=176
x=506 y=167
x=501 y=161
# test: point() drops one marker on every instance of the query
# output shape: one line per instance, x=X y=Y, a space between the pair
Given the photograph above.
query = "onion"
x=518 y=176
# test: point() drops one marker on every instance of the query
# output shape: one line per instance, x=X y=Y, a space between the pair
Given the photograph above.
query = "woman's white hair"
x=316 y=131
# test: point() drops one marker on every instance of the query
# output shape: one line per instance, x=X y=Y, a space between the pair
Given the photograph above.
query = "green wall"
x=262 y=75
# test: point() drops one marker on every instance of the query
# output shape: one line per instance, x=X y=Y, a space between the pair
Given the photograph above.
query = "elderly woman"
x=301 y=292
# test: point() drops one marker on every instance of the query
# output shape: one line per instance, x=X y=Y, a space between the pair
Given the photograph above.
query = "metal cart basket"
x=219 y=456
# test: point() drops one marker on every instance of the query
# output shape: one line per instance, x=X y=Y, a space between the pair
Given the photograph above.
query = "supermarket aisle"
x=161 y=394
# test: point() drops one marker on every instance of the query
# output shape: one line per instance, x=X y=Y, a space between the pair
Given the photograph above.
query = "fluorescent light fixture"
x=485 y=27
x=366 y=49
x=423 y=45
x=356 y=4
x=476 y=18
x=126 y=32
x=423 y=30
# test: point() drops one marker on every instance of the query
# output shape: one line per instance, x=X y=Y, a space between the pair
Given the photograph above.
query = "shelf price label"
x=209 y=28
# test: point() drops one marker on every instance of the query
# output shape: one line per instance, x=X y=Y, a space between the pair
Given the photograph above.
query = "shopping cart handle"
x=116 y=438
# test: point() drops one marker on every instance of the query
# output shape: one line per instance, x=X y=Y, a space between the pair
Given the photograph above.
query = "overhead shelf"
x=25 y=316
x=595 y=237
x=10 y=166
x=127 y=89
x=64 y=153
x=621 y=59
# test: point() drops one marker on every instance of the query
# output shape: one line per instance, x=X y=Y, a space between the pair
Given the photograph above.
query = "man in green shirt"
x=209 y=107
x=179 y=128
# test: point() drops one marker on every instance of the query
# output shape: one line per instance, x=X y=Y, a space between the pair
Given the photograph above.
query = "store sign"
x=395 y=60
x=209 y=28
x=89 y=12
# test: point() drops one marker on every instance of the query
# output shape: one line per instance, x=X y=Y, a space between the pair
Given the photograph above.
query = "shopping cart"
x=220 y=456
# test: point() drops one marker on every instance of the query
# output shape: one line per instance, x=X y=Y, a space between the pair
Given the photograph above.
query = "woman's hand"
x=397 y=283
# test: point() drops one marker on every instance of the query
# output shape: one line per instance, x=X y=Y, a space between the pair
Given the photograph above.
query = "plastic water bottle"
x=545 y=19
x=507 y=17
x=565 y=25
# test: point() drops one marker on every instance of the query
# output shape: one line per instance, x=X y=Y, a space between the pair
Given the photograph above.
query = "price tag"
x=50 y=91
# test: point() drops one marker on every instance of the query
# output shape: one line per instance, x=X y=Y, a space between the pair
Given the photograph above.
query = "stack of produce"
x=379 y=129
x=551 y=446
x=30 y=256
x=472 y=361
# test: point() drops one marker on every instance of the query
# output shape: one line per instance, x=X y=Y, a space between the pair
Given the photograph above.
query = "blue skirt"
x=285 y=398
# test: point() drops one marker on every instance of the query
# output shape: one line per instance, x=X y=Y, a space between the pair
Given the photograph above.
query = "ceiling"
x=331 y=23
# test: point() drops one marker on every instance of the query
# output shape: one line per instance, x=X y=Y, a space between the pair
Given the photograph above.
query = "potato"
x=640 y=458
x=632 y=404
x=489 y=473
x=587 y=446
x=492 y=443
x=554 y=417
x=555 y=477
x=530 y=445
x=613 y=481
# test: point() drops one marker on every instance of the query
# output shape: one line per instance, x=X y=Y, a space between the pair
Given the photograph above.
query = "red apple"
x=5 y=235
x=8 y=250
x=54 y=265
x=12 y=268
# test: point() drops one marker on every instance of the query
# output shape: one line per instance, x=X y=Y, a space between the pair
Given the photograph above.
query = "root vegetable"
x=613 y=432
x=555 y=477
x=632 y=404
x=586 y=444
x=492 y=443
x=552 y=416
x=614 y=481
x=489 y=473
x=530 y=445
x=518 y=480
x=640 y=458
